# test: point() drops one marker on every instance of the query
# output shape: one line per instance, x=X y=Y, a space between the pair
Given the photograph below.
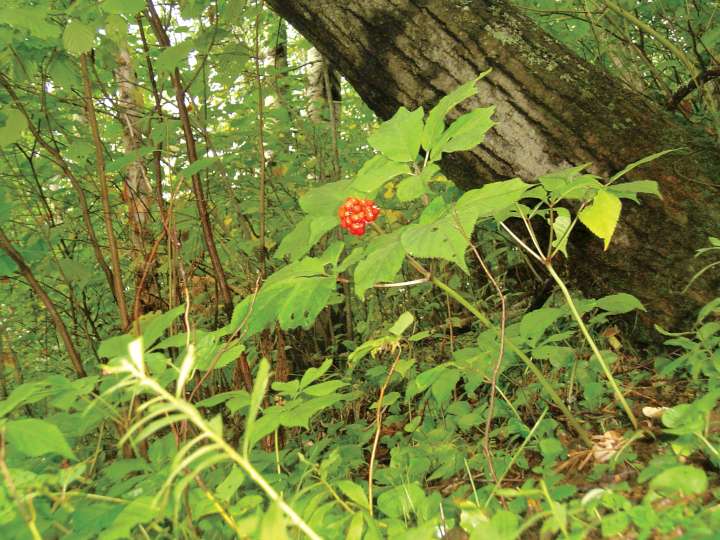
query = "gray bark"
x=553 y=110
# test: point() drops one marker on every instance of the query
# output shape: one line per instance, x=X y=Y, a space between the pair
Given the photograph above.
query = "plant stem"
x=196 y=418
x=547 y=387
x=378 y=429
x=586 y=334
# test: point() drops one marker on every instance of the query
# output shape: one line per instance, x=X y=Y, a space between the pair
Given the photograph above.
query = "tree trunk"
x=553 y=110
x=137 y=192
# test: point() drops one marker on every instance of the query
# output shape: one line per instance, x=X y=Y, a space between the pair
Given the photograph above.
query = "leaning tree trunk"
x=553 y=110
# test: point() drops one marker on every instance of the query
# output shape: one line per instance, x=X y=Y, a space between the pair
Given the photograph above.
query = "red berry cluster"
x=355 y=213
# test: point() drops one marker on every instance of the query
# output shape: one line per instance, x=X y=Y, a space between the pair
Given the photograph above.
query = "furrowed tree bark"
x=553 y=110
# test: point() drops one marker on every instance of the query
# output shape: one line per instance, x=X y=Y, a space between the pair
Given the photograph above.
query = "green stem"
x=669 y=45
x=196 y=418
x=517 y=453
x=547 y=387
x=586 y=334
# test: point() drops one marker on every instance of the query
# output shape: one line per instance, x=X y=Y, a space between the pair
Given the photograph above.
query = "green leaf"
x=629 y=190
x=399 y=138
x=375 y=172
x=326 y=199
x=324 y=388
x=76 y=272
x=684 y=479
x=153 y=326
x=34 y=438
x=32 y=19
x=172 y=57
x=140 y=510
x=488 y=201
x=382 y=263
x=258 y=391
x=443 y=232
x=465 y=133
x=436 y=238
x=561 y=229
x=293 y=296
x=198 y=165
x=7 y=265
x=304 y=236
x=353 y=492
x=15 y=124
x=602 y=216
x=356 y=527
x=641 y=162
x=123 y=7
x=444 y=384
x=26 y=393
x=401 y=500
x=503 y=525
x=114 y=346
x=314 y=373
x=415 y=186
x=684 y=419
x=272 y=526
x=620 y=303
x=534 y=324
x=78 y=38
x=403 y=323
x=435 y=124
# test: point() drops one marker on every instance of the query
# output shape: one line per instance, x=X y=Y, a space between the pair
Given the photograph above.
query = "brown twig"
x=60 y=327
x=104 y=194
x=692 y=85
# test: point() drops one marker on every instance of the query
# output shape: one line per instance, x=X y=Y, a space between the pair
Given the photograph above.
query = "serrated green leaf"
x=398 y=139
x=375 y=172
x=356 y=527
x=7 y=265
x=415 y=186
x=353 y=492
x=629 y=190
x=685 y=479
x=381 y=264
x=304 y=236
x=435 y=124
x=292 y=296
x=78 y=38
x=465 y=133
x=154 y=326
x=443 y=232
x=602 y=216
x=326 y=199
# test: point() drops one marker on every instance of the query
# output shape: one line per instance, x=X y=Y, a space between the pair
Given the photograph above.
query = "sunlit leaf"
x=602 y=216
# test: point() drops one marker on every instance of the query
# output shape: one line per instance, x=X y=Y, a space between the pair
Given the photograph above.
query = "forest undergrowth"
x=236 y=306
